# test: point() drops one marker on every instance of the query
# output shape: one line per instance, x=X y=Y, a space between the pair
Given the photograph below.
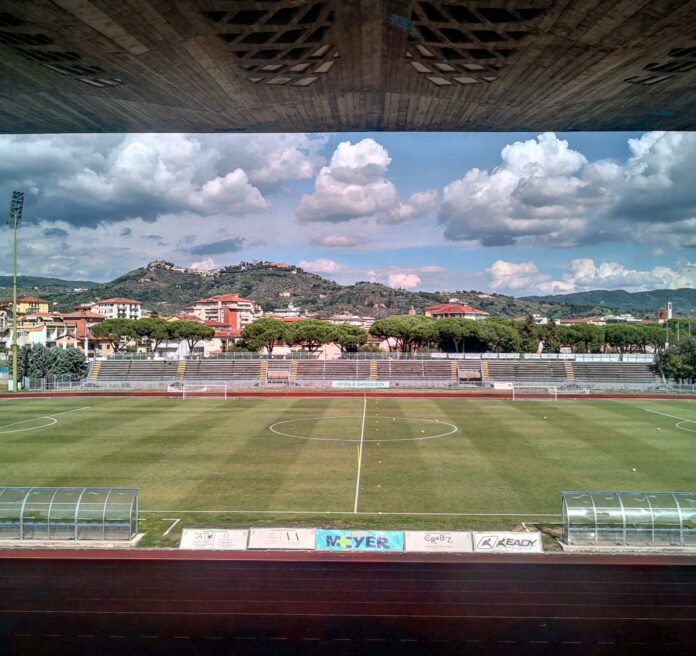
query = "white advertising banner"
x=502 y=386
x=214 y=538
x=360 y=384
x=281 y=538
x=439 y=541
x=507 y=542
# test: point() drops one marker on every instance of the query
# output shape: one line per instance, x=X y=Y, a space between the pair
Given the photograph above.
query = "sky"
x=513 y=213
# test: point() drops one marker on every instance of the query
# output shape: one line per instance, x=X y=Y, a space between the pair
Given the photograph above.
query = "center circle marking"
x=445 y=424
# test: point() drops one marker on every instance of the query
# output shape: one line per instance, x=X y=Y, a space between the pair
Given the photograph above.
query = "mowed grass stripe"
x=216 y=464
x=244 y=465
x=398 y=474
x=324 y=474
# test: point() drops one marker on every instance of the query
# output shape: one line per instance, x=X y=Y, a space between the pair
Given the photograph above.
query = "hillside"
x=683 y=300
x=29 y=284
x=164 y=289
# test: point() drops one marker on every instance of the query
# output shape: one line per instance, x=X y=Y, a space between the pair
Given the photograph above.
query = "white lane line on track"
x=679 y=423
x=360 y=452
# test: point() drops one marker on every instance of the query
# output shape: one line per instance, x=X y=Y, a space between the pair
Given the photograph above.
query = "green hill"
x=162 y=288
x=683 y=300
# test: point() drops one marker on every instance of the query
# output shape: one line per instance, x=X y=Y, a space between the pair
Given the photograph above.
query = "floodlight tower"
x=15 y=216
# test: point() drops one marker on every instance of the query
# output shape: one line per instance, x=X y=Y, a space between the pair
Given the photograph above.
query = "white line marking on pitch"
x=174 y=523
x=343 y=512
x=52 y=418
x=679 y=424
x=360 y=452
x=452 y=427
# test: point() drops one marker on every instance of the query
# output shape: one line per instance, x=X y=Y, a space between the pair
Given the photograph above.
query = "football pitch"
x=411 y=463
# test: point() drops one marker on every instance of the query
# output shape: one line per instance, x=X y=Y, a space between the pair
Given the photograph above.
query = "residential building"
x=26 y=304
x=290 y=311
x=220 y=308
x=118 y=308
x=42 y=328
x=455 y=310
x=351 y=320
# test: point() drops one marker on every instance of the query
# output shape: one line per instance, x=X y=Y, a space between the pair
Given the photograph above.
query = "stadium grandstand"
x=429 y=370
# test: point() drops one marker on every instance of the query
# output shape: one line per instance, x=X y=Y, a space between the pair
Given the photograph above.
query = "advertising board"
x=347 y=540
x=439 y=541
x=214 y=538
x=507 y=542
x=281 y=538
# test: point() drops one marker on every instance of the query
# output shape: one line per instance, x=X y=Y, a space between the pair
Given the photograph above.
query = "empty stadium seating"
x=222 y=370
x=622 y=372
x=435 y=371
x=145 y=370
x=527 y=370
x=413 y=369
x=333 y=370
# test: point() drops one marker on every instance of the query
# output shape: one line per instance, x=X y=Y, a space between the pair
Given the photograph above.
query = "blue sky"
x=515 y=213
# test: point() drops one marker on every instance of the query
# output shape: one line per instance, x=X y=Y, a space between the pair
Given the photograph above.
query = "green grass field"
x=507 y=460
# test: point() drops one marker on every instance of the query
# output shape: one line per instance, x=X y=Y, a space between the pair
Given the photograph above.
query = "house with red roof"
x=456 y=311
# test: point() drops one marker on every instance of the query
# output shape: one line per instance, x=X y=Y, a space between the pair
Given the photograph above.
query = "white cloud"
x=339 y=240
x=533 y=193
x=269 y=159
x=352 y=185
x=418 y=205
x=585 y=274
x=404 y=280
x=515 y=277
x=90 y=179
x=232 y=193
x=204 y=265
x=545 y=192
x=320 y=265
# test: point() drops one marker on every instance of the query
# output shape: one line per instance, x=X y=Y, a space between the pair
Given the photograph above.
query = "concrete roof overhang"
x=346 y=65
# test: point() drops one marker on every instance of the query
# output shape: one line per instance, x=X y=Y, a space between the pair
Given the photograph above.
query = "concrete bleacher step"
x=485 y=372
x=180 y=369
x=570 y=372
x=373 y=369
x=95 y=371
x=454 y=370
x=293 y=370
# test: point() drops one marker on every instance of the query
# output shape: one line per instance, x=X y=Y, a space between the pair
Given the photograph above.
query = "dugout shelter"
x=68 y=513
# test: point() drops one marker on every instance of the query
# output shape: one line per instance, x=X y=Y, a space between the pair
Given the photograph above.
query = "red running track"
x=139 y=602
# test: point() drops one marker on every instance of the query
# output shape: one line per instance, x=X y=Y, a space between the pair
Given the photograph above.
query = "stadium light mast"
x=15 y=216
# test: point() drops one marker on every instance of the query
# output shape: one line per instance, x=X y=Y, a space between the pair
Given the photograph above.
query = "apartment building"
x=118 y=308
x=223 y=308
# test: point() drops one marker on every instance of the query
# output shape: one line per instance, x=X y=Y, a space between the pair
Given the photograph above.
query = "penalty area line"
x=679 y=423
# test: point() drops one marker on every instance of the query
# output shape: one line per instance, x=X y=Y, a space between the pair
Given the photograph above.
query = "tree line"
x=496 y=334
x=150 y=332
x=38 y=361
x=452 y=335
x=404 y=332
